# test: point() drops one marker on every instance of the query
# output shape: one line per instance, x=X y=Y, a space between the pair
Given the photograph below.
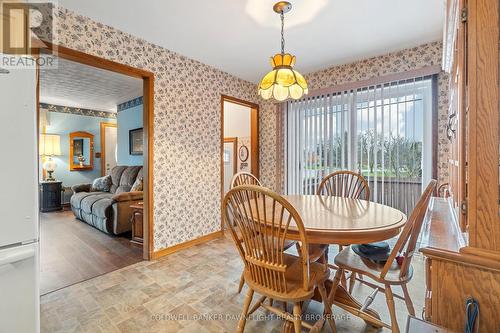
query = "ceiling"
x=81 y=86
x=239 y=36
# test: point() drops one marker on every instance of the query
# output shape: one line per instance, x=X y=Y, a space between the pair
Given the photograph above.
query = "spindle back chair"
x=263 y=219
x=397 y=270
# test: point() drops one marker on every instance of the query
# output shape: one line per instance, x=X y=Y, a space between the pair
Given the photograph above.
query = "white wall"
x=236 y=120
x=127 y=120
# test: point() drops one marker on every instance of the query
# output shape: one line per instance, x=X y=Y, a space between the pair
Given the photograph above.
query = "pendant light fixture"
x=283 y=82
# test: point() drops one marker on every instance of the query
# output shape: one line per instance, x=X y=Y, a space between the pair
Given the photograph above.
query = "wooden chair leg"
x=328 y=307
x=244 y=312
x=343 y=280
x=352 y=280
x=409 y=303
x=242 y=282
x=392 y=310
x=297 y=322
x=335 y=284
x=257 y=305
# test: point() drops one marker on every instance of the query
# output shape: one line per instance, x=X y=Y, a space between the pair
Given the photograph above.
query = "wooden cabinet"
x=463 y=252
x=50 y=196
x=455 y=63
x=137 y=223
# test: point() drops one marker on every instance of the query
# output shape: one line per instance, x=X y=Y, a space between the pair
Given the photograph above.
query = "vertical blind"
x=382 y=131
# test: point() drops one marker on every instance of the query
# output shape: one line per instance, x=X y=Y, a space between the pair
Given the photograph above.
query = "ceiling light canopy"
x=283 y=82
x=304 y=11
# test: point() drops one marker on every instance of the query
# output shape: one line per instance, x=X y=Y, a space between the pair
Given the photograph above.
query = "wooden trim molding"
x=463 y=258
x=148 y=114
x=103 y=126
x=188 y=244
x=226 y=98
x=148 y=121
x=254 y=141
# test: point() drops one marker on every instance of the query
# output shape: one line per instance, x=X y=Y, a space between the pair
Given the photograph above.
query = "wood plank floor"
x=72 y=251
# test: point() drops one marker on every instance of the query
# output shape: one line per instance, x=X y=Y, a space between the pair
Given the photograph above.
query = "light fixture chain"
x=282 y=15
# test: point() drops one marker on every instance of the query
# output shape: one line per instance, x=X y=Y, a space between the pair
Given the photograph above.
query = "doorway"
x=109 y=147
x=138 y=143
x=239 y=139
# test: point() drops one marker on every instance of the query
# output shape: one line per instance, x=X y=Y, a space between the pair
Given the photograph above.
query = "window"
x=382 y=131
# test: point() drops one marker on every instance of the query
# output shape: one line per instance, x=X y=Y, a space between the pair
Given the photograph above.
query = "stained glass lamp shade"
x=283 y=82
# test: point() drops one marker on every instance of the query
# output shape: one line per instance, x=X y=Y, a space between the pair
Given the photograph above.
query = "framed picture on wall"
x=243 y=153
x=135 y=141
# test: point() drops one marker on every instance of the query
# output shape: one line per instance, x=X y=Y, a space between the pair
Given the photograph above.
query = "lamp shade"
x=283 y=82
x=50 y=145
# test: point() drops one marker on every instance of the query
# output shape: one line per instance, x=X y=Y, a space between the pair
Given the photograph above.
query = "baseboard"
x=186 y=245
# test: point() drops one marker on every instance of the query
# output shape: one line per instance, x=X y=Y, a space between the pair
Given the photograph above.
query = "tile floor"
x=190 y=291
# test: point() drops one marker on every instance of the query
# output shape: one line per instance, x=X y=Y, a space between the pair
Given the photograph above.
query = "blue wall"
x=128 y=119
x=65 y=123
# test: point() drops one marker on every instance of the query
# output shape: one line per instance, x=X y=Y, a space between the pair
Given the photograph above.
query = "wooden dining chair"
x=246 y=178
x=264 y=219
x=344 y=183
x=396 y=271
x=347 y=184
x=443 y=190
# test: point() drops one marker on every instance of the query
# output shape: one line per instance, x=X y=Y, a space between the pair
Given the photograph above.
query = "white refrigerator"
x=19 y=250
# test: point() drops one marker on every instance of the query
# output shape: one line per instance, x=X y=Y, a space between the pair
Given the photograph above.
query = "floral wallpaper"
x=187 y=127
x=396 y=62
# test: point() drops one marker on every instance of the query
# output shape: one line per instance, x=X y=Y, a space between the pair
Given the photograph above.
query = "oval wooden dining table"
x=344 y=221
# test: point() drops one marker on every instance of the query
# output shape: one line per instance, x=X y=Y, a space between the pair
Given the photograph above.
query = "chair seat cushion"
x=378 y=252
x=347 y=259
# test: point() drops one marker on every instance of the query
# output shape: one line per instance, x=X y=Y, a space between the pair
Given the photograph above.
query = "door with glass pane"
x=383 y=132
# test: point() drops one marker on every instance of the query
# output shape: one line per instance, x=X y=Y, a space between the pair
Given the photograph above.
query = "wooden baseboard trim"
x=182 y=246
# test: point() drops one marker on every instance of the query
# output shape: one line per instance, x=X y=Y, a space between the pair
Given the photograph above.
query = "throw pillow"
x=102 y=184
x=137 y=186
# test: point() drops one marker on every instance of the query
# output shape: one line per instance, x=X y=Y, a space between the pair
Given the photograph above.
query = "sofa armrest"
x=128 y=196
x=81 y=188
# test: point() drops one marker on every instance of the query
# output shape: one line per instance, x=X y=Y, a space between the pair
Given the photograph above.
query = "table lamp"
x=50 y=145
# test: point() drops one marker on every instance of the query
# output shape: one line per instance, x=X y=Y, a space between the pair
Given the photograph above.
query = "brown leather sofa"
x=108 y=211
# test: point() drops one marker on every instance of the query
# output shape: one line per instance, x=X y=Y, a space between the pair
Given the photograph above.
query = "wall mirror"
x=81 y=151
